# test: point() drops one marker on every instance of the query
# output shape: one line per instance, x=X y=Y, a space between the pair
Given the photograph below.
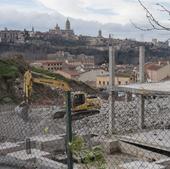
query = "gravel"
x=157 y=115
x=14 y=128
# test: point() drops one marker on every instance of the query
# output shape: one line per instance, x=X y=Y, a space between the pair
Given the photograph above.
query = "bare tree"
x=154 y=23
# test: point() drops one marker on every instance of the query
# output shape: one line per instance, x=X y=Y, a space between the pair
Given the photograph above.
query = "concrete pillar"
x=141 y=64
x=112 y=93
x=112 y=66
x=142 y=80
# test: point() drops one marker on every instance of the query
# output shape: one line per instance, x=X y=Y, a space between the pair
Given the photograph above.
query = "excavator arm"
x=82 y=105
x=29 y=80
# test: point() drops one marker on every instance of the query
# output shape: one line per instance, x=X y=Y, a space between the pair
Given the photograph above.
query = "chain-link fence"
x=139 y=138
x=33 y=136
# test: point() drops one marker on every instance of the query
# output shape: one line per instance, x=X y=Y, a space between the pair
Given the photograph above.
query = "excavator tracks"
x=76 y=115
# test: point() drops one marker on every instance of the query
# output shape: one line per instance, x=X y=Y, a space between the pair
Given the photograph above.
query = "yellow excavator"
x=82 y=104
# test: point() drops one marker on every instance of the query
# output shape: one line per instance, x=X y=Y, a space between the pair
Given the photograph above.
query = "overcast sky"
x=87 y=16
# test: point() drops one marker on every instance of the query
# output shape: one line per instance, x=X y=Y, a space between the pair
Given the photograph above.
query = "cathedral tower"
x=68 y=27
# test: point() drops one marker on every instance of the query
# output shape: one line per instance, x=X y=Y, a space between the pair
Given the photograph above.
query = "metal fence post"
x=69 y=130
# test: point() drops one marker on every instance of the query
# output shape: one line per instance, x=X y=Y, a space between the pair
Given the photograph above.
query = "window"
x=78 y=99
x=103 y=83
x=100 y=82
x=119 y=82
x=108 y=83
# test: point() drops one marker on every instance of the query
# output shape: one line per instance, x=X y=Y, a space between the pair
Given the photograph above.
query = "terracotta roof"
x=49 y=62
x=156 y=65
x=153 y=67
x=72 y=73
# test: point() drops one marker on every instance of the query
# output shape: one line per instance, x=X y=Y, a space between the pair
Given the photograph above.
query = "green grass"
x=8 y=70
x=13 y=68
x=46 y=72
x=72 y=83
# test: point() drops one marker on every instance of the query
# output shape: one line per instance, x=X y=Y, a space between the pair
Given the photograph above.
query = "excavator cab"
x=83 y=102
x=78 y=99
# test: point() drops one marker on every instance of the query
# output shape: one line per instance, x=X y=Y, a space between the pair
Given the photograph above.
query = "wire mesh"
x=130 y=146
x=35 y=140
x=93 y=147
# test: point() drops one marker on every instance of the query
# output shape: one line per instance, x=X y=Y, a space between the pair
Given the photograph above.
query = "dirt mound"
x=11 y=87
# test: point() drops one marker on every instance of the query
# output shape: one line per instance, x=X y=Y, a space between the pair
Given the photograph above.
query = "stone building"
x=102 y=81
x=56 y=30
x=159 y=71
x=89 y=77
x=51 y=65
x=82 y=59
x=12 y=36
x=68 y=25
x=100 y=34
x=67 y=32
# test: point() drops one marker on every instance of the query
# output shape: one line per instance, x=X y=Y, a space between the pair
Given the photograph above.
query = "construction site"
x=127 y=132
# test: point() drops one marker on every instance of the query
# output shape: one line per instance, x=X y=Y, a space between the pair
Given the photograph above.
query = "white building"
x=89 y=77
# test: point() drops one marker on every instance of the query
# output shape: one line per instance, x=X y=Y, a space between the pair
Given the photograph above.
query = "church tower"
x=32 y=29
x=100 y=33
x=68 y=27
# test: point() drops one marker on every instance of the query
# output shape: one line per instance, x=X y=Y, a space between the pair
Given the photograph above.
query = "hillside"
x=11 y=86
x=127 y=54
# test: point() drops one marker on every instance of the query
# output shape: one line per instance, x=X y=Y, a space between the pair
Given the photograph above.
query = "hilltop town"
x=85 y=58
x=88 y=91
x=36 y=45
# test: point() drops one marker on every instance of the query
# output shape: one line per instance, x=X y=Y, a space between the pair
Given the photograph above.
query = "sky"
x=86 y=16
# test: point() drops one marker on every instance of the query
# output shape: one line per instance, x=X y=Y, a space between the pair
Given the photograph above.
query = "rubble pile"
x=157 y=114
x=14 y=128
x=96 y=124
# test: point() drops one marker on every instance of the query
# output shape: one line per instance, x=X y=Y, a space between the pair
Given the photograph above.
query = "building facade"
x=102 y=81
x=159 y=71
x=67 y=32
x=12 y=36
x=50 y=65
x=89 y=77
x=82 y=59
